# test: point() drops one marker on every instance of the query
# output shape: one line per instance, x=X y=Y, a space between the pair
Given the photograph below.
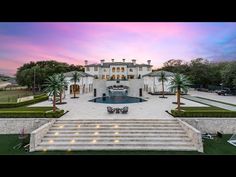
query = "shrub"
x=204 y=113
x=35 y=100
x=31 y=114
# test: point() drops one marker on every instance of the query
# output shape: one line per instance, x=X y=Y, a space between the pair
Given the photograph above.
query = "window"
x=118 y=77
x=113 y=77
x=107 y=77
x=95 y=68
x=105 y=70
x=123 y=77
x=149 y=68
x=87 y=69
x=118 y=69
x=113 y=69
x=122 y=69
x=140 y=68
x=103 y=76
x=131 y=70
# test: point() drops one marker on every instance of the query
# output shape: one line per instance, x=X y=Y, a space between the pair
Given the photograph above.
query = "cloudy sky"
x=75 y=42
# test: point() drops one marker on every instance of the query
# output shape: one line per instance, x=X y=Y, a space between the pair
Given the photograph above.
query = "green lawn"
x=218 y=146
x=25 y=108
x=12 y=95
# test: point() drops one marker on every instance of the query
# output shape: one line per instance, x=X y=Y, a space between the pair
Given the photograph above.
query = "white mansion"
x=107 y=77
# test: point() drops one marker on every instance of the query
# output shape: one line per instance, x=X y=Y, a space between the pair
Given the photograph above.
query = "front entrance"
x=74 y=88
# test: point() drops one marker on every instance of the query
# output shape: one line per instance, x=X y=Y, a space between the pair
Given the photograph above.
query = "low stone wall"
x=213 y=125
x=37 y=135
x=194 y=134
x=15 y=125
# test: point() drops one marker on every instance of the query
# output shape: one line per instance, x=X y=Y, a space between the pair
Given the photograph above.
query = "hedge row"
x=31 y=114
x=204 y=113
x=14 y=105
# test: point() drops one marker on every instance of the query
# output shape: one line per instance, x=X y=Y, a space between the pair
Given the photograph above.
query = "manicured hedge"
x=31 y=114
x=35 y=100
x=204 y=113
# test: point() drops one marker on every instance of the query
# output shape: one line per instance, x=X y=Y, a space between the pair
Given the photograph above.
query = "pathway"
x=209 y=102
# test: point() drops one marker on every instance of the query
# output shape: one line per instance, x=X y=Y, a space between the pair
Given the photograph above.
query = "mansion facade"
x=105 y=77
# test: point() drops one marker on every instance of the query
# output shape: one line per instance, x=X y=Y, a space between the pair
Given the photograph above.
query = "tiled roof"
x=158 y=73
x=107 y=64
x=82 y=74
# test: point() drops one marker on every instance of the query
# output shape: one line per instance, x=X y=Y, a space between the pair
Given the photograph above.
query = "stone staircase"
x=116 y=134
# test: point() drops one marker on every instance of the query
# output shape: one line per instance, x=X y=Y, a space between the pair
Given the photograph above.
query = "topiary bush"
x=35 y=100
x=204 y=113
x=31 y=114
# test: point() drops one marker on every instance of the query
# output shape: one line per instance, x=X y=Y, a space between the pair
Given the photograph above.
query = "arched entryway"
x=74 y=88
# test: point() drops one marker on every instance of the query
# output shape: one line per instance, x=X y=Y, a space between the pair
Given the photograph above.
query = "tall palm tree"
x=162 y=79
x=179 y=82
x=75 y=78
x=52 y=85
x=63 y=83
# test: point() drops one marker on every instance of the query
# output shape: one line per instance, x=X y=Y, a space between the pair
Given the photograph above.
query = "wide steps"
x=105 y=148
x=116 y=134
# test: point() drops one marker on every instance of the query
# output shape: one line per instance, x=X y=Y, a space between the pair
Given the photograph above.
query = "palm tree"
x=75 y=78
x=53 y=88
x=63 y=83
x=162 y=79
x=179 y=82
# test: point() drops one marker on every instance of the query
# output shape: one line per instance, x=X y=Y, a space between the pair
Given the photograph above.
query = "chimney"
x=85 y=62
x=134 y=61
x=149 y=62
x=123 y=60
x=102 y=61
x=112 y=60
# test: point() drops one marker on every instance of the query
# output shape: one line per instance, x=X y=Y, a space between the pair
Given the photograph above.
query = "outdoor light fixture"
x=94 y=141
x=56 y=133
x=61 y=126
x=116 y=133
x=72 y=141
x=76 y=133
x=51 y=141
x=116 y=126
x=45 y=150
x=96 y=133
x=78 y=126
x=97 y=126
x=116 y=141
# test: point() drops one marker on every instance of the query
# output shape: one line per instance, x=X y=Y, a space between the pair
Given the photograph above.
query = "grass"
x=200 y=108
x=25 y=108
x=218 y=146
x=217 y=101
x=12 y=95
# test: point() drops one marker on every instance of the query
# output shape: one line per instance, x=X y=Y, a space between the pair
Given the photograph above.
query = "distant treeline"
x=42 y=70
x=205 y=74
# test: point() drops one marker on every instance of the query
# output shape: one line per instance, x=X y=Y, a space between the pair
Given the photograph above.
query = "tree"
x=179 y=83
x=62 y=84
x=75 y=78
x=44 y=69
x=162 y=79
x=52 y=85
x=229 y=75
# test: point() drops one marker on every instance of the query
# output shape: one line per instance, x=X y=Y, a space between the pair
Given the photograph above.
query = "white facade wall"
x=85 y=84
x=151 y=84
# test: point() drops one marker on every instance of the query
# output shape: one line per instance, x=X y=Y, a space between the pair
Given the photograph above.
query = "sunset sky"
x=75 y=42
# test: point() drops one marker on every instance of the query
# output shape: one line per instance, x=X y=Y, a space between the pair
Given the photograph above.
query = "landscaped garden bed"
x=203 y=112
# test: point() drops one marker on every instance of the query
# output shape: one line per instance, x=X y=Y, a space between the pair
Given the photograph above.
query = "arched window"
x=118 y=77
x=122 y=69
x=118 y=69
x=113 y=69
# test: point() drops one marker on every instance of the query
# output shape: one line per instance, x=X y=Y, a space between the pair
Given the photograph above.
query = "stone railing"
x=37 y=135
x=194 y=134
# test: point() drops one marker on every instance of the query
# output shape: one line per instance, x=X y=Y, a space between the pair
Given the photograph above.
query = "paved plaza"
x=154 y=107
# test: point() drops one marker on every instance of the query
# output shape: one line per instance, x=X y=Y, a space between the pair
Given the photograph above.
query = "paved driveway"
x=155 y=107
